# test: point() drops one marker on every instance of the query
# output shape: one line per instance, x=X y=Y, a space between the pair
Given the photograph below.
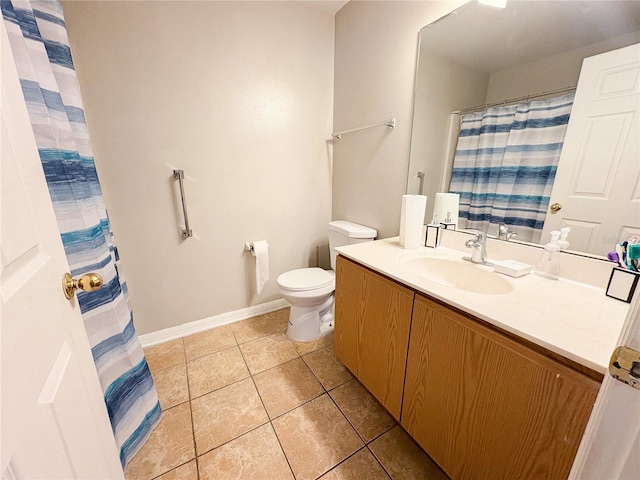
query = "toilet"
x=310 y=290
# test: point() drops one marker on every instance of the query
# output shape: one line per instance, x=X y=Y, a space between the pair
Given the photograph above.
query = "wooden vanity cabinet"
x=485 y=406
x=373 y=317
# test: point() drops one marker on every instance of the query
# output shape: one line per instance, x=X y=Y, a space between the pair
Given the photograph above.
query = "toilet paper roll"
x=261 y=252
x=447 y=202
x=411 y=220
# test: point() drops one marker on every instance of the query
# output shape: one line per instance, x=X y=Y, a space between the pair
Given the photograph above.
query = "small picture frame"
x=622 y=284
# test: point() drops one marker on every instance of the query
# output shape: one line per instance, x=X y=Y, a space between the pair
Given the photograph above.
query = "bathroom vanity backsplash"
x=573 y=266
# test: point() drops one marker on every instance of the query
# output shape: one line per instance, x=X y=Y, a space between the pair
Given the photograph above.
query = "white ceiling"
x=331 y=6
x=530 y=30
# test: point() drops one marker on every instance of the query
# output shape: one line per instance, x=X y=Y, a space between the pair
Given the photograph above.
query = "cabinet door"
x=373 y=316
x=485 y=406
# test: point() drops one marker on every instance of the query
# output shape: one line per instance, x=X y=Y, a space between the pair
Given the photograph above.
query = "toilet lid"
x=305 y=279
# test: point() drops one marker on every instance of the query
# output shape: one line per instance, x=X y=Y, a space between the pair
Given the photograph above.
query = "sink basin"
x=457 y=273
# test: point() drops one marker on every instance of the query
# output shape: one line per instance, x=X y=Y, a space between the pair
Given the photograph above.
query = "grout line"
x=190 y=415
x=364 y=447
x=364 y=442
x=193 y=430
x=396 y=424
x=220 y=388
x=172 y=469
x=235 y=438
x=298 y=406
x=378 y=460
x=222 y=349
x=286 y=458
x=188 y=361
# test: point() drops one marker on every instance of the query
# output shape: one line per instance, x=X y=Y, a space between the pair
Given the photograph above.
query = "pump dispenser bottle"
x=548 y=266
x=563 y=242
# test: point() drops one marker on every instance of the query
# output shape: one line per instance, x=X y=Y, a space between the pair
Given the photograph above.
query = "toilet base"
x=310 y=323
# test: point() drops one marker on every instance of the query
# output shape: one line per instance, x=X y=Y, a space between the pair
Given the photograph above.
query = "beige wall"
x=375 y=67
x=552 y=73
x=442 y=86
x=239 y=95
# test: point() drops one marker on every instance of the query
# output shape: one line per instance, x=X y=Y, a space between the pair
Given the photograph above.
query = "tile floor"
x=242 y=401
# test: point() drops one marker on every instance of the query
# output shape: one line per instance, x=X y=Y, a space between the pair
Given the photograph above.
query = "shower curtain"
x=38 y=40
x=505 y=164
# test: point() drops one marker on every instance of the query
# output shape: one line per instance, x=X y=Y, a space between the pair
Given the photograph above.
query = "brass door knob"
x=555 y=207
x=88 y=283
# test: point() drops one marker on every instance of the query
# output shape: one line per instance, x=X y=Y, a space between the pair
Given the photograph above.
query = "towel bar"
x=387 y=123
x=186 y=231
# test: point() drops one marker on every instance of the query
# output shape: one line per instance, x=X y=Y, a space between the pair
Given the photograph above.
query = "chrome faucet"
x=504 y=233
x=479 y=249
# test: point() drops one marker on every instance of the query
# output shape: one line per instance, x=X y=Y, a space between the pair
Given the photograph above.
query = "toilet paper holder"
x=248 y=246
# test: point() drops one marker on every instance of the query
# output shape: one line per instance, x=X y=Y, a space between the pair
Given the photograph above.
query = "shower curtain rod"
x=514 y=100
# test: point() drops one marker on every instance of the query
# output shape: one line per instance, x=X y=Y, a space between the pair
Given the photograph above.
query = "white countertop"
x=572 y=319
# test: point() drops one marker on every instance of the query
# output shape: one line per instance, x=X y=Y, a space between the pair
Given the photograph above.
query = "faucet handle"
x=504 y=233
x=478 y=239
x=480 y=236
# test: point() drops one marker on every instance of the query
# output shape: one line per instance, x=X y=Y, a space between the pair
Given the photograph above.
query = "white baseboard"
x=161 y=336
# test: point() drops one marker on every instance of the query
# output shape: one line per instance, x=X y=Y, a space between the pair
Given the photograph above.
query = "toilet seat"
x=305 y=279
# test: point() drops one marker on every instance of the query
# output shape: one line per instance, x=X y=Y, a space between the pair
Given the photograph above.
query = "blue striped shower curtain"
x=38 y=40
x=505 y=164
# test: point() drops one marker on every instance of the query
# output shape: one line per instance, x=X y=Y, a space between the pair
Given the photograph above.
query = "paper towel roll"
x=447 y=202
x=411 y=220
x=261 y=252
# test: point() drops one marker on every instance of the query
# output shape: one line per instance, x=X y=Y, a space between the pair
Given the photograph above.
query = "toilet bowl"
x=310 y=290
x=310 y=293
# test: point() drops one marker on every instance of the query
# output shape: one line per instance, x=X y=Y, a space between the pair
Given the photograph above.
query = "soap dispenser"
x=563 y=242
x=548 y=266
x=448 y=223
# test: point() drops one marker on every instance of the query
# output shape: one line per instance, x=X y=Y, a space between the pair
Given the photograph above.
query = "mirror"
x=480 y=55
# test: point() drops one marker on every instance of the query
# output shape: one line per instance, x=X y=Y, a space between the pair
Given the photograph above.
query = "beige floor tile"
x=361 y=466
x=171 y=384
x=267 y=352
x=225 y=414
x=169 y=445
x=367 y=416
x=307 y=347
x=215 y=371
x=261 y=326
x=188 y=471
x=329 y=370
x=287 y=386
x=315 y=437
x=207 y=342
x=254 y=456
x=403 y=459
x=165 y=355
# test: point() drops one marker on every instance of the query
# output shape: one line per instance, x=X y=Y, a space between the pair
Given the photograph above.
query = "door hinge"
x=625 y=366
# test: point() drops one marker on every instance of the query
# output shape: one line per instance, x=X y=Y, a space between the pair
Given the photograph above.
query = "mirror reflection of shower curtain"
x=505 y=164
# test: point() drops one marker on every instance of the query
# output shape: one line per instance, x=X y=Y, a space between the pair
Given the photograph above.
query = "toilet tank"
x=342 y=233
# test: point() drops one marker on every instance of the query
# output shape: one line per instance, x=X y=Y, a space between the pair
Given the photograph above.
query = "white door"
x=610 y=448
x=54 y=422
x=598 y=178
